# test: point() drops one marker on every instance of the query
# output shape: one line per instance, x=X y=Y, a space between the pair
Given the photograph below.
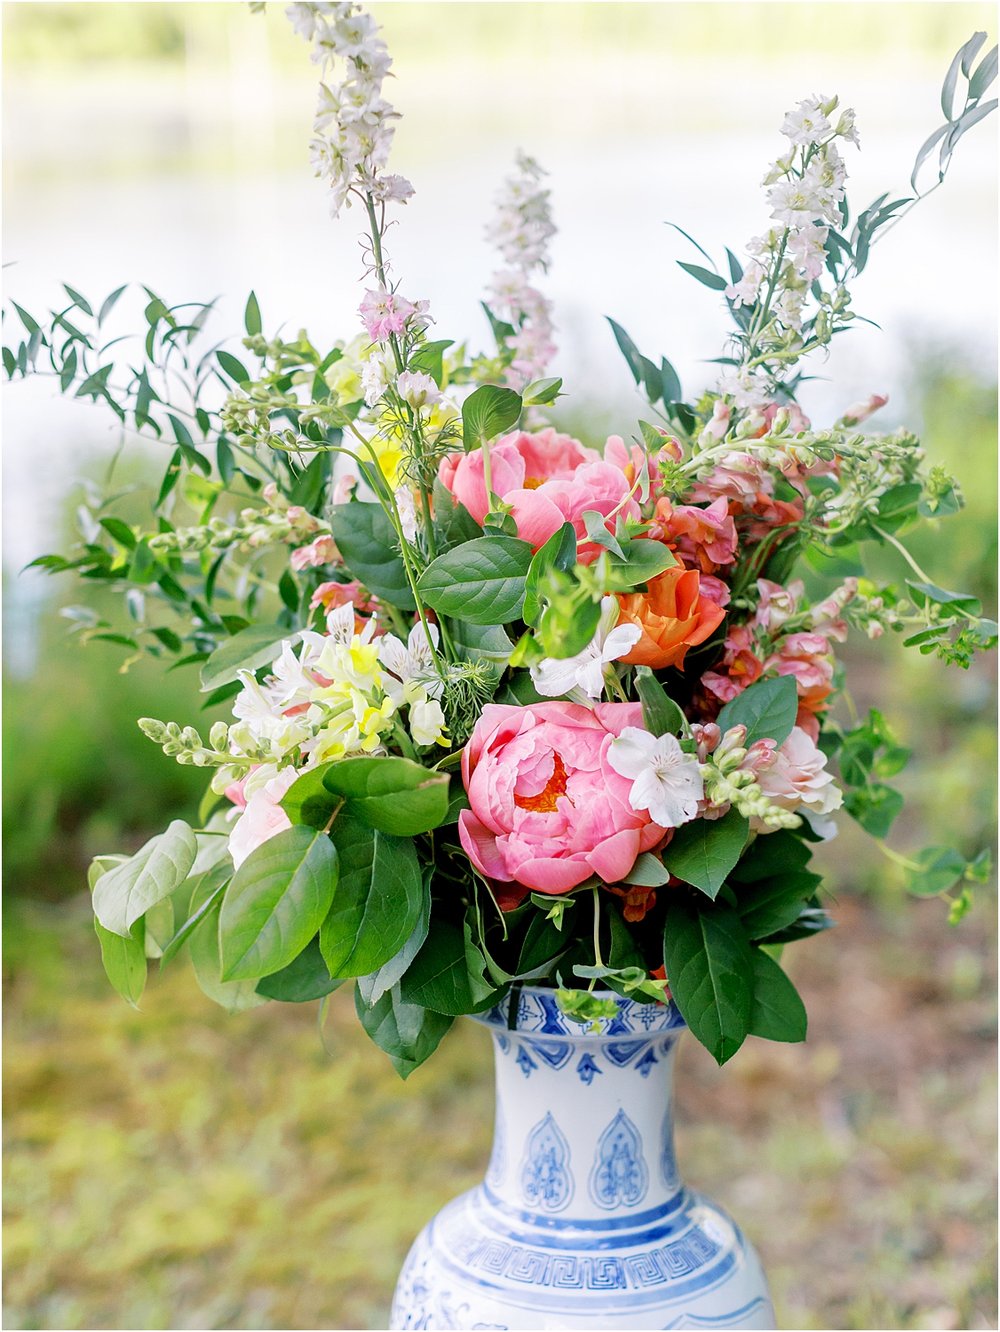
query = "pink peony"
x=795 y=777
x=547 y=810
x=262 y=816
x=547 y=479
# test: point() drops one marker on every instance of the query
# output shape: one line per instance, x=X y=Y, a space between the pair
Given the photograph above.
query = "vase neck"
x=584 y=1122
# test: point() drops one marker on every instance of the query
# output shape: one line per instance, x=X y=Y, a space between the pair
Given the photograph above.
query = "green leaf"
x=124 y=961
x=120 y=531
x=79 y=300
x=379 y=982
x=379 y=899
x=251 y=315
x=429 y=358
x=393 y=795
x=642 y=561
x=778 y=1013
x=482 y=642
x=875 y=807
x=710 y=972
x=447 y=974
x=660 y=713
x=704 y=851
x=109 y=304
x=207 y=889
x=305 y=978
x=365 y=538
x=772 y=854
x=125 y=893
x=482 y=581
x=940 y=868
x=559 y=552
x=276 y=902
x=767 y=709
x=203 y=949
x=407 y=1033
x=703 y=276
x=488 y=412
x=811 y=920
x=541 y=392
x=768 y=905
x=235 y=369
x=648 y=872
x=246 y=651
x=310 y=484
x=930 y=592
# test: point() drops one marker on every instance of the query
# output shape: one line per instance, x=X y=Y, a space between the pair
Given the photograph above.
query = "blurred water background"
x=249 y=1179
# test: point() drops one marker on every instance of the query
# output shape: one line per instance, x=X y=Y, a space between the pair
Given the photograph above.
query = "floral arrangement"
x=507 y=706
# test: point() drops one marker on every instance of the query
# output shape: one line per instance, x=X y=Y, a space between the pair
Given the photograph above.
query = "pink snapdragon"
x=808 y=658
x=546 y=808
x=795 y=777
x=862 y=410
x=740 y=666
x=704 y=538
x=262 y=816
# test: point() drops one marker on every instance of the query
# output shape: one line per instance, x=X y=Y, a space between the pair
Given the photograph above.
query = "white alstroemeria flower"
x=418 y=389
x=290 y=683
x=412 y=660
x=666 y=782
x=585 y=672
x=341 y=627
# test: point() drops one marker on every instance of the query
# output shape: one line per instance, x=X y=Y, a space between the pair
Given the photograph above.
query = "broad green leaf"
x=276 y=902
x=659 y=711
x=391 y=794
x=378 y=902
x=488 y=412
x=305 y=978
x=251 y=316
x=940 y=867
x=559 y=552
x=704 y=851
x=407 y=1033
x=540 y=392
x=251 y=648
x=709 y=967
x=767 y=709
x=643 y=560
x=126 y=892
x=206 y=893
x=203 y=949
x=811 y=920
x=158 y=927
x=379 y=982
x=365 y=537
x=875 y=807
x=959 y=600
x=482 y=642
x=447 y=973
x=774 y=853
x=768 y=905
x=429 y=357
x=124 y=961
x=481 y=581
x=777 y=1013
x=648 y=872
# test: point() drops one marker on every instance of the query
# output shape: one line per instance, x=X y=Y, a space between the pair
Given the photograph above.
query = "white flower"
x=412 y=660
x=805 y=248
x=418 y=389
x=666 y=782
x=846 y=127
x=290 y=682
x=555 y=676
x=796 y=779
x=747 y=388
x=745 y=291
x=807 y=124
x=794 y=202
x=426 y=721
x=374 y=377
x=407 y=508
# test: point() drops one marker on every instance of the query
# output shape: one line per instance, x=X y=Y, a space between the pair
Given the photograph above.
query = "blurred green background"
x=181 y=1168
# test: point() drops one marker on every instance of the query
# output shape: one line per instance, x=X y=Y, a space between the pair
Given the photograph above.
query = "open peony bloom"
x=547 y=479
x=547 y=809
x=795 y=777
x=673 y=615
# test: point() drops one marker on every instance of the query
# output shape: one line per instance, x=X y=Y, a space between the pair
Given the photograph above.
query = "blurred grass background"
x=180 y=1168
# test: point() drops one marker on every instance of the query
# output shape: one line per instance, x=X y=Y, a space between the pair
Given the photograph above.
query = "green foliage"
x=365 y=538
x=710 y=971
x=767 y=709
x=704 y=851
x=481 y=581
x=123 y=894
x=488 y=412
x=407 y=1033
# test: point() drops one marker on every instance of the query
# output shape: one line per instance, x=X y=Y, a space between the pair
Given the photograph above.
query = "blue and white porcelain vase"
x=582 y=1220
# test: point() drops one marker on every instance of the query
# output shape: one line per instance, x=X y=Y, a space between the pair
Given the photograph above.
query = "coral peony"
x=547 y=809
x=673 y=615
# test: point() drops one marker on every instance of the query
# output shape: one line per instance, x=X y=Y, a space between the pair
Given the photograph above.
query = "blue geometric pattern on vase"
x=623 y=1052
x=553 y=1021
x=546 y=1181
x=525 y=1061
x=539 y=1012
x=587 y=1069
x=619 y=1177
x=554 y=1053
x=646 y=1063
x=498 y=1159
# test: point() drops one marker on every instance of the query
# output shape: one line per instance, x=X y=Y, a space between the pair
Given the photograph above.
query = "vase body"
x=582 y=1220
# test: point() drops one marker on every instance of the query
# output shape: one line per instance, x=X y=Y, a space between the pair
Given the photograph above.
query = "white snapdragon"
x=353 y=125
x=584 y=673
x=666 y=782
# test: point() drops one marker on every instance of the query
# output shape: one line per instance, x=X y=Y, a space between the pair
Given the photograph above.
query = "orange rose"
x=673 y=616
